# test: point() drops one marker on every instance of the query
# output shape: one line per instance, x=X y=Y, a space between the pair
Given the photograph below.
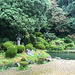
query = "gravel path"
x=57 y=67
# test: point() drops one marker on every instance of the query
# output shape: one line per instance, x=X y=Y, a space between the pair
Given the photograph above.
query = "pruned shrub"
x=31 y=59
x=6 y=45
x=56 y=48
x=23 y=63
x=20 y=48
x=43 y=54
x=29 y=46
x=11 y=52
x=67 y=40
x=69 y=45
x=39 y=39
x=24 y=57
x=50 y=36
x=40 y=46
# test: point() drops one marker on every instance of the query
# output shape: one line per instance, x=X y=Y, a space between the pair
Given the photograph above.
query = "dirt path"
x=57 y=67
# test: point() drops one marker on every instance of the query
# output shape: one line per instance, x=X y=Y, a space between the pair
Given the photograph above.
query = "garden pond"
x=70 y=56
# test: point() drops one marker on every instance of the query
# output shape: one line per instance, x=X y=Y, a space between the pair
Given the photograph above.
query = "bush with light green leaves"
x=20 y=48
x=40 y=45
x=29 y=46
x=11 y=52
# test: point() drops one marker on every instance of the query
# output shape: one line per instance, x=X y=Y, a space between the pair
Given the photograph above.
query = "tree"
x=57 y=21
x=18 y=16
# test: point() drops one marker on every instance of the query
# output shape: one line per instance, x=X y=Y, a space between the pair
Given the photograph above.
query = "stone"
x=29 y=52
x=48 y=59
x=58 y=58
x=17 y=65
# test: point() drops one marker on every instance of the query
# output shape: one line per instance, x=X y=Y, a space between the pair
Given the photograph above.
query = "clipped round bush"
x=69 y=45
x=20 y=48
x=23 y=59
x=56 y=48
x=29 y=46
x=23 y=63
x=11 y=52
x=39 y=39
x=7 y=44
x=40 y=46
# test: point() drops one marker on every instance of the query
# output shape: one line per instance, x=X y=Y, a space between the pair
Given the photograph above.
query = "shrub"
x=58 y=42
x=69 y=45
x=7 y=44
x=23 y=57
x=67 y=40
x=40 y=60
x=31 y=59
x=39 y=39
x=56 y=48
x=23 y=63
x=38 y=34
x=5 y=39
x=40 y=46
x=11 y=52
x=32 y=39
x=26 y=40
x=43 y=54
x=50 y=36
x=47 y=47
x=20 y=48
x=29 y=46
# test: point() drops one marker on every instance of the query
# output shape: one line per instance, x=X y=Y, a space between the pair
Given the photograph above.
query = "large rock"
x=29 y=52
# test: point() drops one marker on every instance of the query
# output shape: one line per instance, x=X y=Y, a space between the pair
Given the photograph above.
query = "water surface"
x=63 y=55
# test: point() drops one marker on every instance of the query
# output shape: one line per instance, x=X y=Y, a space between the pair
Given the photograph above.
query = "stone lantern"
x=18 y=39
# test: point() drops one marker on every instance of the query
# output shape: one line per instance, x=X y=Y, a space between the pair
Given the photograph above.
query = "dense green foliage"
x=29 y=46
x=69 y=7
x=20 y=48
x=21 y=16
x=6 y=45
x=39 y=45
x=25 y=16
x=47 y=25
x=11 y=52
